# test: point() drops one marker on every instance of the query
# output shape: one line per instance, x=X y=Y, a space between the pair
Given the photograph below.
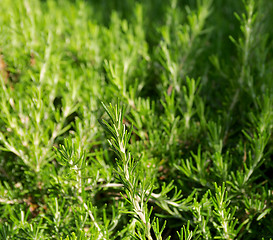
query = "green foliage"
x=136 y=119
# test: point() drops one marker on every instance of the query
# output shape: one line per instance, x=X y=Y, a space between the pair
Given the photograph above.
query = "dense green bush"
x=136 y=119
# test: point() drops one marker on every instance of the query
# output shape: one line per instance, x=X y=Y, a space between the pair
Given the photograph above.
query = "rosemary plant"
x=180 y=148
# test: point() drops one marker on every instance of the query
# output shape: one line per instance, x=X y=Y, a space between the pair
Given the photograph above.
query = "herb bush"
x=136 y=119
